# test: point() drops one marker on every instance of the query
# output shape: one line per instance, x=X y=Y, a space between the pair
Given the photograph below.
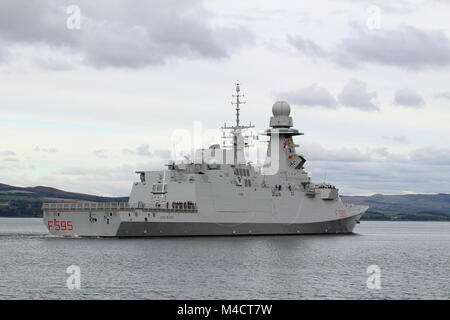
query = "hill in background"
x=404 y=207
x=27 y=202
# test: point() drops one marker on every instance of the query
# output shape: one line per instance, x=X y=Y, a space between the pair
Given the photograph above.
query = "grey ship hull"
x=119 y=220
x=164 y=229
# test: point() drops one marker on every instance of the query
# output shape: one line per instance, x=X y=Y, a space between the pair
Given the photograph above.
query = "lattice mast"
x=236 y=130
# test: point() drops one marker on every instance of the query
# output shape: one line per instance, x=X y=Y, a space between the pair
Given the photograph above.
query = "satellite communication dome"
x=281 y=108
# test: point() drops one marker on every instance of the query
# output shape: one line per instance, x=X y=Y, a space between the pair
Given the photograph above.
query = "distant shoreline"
x=396 y=216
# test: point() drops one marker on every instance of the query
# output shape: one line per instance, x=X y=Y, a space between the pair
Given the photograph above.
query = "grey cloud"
x=400 y=139
x=432 y=156
x=53 y=63
x=315 y=152
x=142 y=150
x=383 y=152
x=128 y=151
x=124 y=172
x=79 y=171
x=383 y=177
x=120 y=33
x=106 y=181
x=4 y=54
x=311 y=96
x=163 y=153
x=355 y=95
x=444 y=95
x=101 y=153
x=116 y=173
x=8 y=153
x=408 y=97
x=306 y=46
x=407 y=47
x=397 y=7
x=34 y=21
x=379 y=170
x=39 y=149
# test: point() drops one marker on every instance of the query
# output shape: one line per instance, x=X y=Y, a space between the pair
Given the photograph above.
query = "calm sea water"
x=414 y=259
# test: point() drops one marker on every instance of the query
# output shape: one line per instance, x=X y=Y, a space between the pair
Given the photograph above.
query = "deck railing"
x=114 y=206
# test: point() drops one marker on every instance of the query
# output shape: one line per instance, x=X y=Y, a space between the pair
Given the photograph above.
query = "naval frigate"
x=219 y=194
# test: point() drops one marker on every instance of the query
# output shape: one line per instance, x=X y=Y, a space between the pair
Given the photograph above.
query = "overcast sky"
x=368 y=83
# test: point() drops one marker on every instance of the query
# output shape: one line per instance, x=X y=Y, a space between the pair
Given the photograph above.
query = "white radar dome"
x=281 y=108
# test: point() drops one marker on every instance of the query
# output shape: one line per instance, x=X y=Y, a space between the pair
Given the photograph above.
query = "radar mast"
x=236 y=130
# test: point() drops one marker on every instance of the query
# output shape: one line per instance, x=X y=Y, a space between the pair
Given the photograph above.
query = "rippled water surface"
x=413 y=256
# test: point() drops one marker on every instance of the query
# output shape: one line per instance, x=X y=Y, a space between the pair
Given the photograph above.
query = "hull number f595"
x=59 y=225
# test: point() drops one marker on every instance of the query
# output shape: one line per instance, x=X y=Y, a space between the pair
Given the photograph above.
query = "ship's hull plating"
x=163 y=229
x=114 y=225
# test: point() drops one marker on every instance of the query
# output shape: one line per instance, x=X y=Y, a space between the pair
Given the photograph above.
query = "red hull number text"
x=60 y=225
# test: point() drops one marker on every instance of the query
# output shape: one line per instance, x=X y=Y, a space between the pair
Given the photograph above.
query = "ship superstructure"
x=219 y=193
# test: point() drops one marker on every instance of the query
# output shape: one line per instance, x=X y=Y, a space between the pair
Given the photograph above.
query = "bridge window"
x=159 y=188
